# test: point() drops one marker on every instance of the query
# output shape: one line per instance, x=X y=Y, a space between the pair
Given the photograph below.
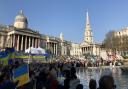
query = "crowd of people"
x=57 y=75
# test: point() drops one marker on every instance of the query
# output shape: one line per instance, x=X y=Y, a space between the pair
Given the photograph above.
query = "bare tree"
x=109 y=41
x=116 y=43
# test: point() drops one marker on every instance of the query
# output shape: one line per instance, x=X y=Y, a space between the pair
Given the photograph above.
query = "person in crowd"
x=106 y=82
x=67 y=79
x=74 y=81
x=8 y=84
x=79 y=86
x=92 y=84
x=52 y=82
x=1 y=81
x=41 y=79
x=53 y=70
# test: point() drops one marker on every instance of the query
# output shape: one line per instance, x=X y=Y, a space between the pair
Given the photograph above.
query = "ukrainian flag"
x=4 y=56
x=11 y=52
x=21 y=74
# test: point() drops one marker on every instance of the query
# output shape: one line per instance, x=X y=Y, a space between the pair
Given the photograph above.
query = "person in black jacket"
x=67 y=79
x=106 y=82
x=92 y=84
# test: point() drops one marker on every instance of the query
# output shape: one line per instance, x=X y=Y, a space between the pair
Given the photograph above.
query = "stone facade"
x=21 y=38
x=76 y=50
x=123 y=32
x=55 y=45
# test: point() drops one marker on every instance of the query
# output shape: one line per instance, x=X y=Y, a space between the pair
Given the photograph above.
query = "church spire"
x=88 y=32
x=87 y=19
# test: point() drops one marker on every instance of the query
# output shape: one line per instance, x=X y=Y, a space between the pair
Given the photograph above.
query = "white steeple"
x=88 y=32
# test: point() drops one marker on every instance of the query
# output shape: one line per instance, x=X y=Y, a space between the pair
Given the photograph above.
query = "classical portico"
x=51 y=45
x=87 y=49
x=22 y=40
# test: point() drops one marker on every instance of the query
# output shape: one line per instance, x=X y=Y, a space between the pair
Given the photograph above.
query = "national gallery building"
x=21 y=38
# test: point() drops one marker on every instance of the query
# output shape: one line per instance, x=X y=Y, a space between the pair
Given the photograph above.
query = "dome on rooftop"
x=20 y=20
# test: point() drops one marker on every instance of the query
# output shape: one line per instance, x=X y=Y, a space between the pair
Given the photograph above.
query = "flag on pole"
x=21 y=74
x=4 y=56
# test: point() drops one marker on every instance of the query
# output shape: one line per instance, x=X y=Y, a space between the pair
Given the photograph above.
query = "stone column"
x=13 y=40
x=46 y=45
x=22 y=42
x=3 y=41
x=33 y=42
x=56 y=50
x=26 y=42
x=92 y=49
x=18 y=42
x=49 y=46
x=38 y=42
x=83 y=50
x=29 y=42
x=10 y=36
x=88 y=49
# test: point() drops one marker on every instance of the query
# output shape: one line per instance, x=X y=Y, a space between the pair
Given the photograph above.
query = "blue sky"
x=68 y=16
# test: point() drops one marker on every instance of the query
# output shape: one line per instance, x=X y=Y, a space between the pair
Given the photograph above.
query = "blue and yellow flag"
x=4 y=56
x=9 y=53
x=21 y=74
